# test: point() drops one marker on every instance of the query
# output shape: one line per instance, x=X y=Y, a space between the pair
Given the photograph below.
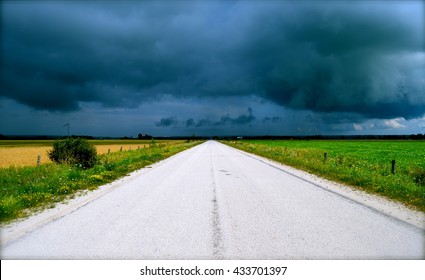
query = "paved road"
x=214 y=202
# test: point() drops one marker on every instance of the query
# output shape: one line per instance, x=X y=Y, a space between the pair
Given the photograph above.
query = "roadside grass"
x=362 y=164
x=28 y=189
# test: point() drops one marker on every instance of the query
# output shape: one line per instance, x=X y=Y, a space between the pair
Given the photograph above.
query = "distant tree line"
x=193 y=137
x=146 y=136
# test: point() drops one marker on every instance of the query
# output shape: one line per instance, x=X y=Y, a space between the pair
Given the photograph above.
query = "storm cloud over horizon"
x=339 y=58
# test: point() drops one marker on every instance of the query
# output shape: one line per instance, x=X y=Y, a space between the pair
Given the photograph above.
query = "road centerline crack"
x=216 y=227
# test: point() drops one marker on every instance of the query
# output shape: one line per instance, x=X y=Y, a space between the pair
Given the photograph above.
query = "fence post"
x=109 y=150
x=121 y=149
x=138 y=147
x=38 y=160
x=325 y=156
x=393 y=166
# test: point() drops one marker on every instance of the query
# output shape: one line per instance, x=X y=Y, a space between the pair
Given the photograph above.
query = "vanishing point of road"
x=215 y=202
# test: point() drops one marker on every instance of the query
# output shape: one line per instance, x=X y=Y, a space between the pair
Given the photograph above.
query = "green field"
x=26 y=189
x=364 y=164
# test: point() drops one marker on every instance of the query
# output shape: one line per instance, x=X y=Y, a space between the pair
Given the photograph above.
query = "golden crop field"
x=22 y=156
x=25 y=153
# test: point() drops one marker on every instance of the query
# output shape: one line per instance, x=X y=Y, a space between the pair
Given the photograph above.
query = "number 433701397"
x=259 y=270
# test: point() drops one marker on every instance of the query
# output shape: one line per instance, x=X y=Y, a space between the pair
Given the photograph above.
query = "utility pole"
x=68 y=128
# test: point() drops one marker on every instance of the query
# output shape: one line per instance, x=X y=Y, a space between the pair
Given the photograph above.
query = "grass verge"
x=362 y=164
x=27 y=189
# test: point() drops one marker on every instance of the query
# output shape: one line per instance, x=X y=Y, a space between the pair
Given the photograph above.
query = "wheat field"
x=26 y=155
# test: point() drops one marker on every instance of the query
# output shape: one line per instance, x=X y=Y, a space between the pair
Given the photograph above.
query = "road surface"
x=215 y=202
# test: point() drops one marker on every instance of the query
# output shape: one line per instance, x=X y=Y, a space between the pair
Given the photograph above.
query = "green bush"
x=74 y=151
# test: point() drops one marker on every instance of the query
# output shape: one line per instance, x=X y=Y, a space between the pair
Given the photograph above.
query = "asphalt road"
x=215 y=202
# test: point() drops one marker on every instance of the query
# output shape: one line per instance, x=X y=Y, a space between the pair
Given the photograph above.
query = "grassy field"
x=25 y=152
x=26 y=189
x=363 y=164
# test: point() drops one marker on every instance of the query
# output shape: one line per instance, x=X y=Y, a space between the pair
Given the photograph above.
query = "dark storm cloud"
x=190 y=123
x=200 y=123
x=203 y=123
x=365 y=58
x=271 y=120
x=225 y=120
x=166 y=122
x=239 y=120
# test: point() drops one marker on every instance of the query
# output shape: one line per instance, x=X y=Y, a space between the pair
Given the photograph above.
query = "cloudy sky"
x=168 y=68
